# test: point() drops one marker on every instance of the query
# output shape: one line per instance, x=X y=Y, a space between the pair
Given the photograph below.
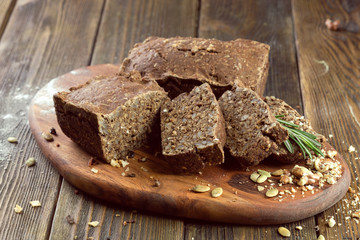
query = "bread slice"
x=252 y=131
x=180 y=63
x=192 y=130
x=280 y=107
x=109 y=116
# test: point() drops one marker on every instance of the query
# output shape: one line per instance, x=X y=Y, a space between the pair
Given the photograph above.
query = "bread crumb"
x=93 y=223
x=124 y=163
x=18 y=209
x=331 y=222
x=35 y=203
x=94 y=170
x=114 y=163
x=351 y=149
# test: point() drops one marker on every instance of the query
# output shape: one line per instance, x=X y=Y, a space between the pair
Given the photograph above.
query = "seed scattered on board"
x=272 y=192
x=217 y=192
x=35 y=203
x=18 y=209
x=47 y=136
x=30 y=162
x=12 y=140
x=284 y=232
x=200 y=188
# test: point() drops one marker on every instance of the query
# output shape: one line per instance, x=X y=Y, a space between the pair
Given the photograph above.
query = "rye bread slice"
x=280 y=107
x=180 y=63
x=192 y=130
x=109 y=116
x=252 y=131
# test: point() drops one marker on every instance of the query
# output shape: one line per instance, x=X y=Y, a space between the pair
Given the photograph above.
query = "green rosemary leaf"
x=297 y=142
x=312 y=136
x=289 y=146
x=306 y=141
x=287 y=123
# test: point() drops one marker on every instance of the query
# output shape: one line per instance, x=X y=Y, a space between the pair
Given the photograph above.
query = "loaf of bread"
x=253 y=132
x=109 y=116
x=193 y=130
x=280 y=107
x=180 y=63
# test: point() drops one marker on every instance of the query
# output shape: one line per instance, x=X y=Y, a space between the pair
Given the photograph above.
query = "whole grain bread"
x=253 y=132
x=193 y=130
x=280 y=107
x=109 y=116
x=180 y=63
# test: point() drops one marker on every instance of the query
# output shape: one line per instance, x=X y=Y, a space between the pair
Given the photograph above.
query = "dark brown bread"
x=180 y=63
x=109 y=116
x=279 y=107
x=193 y=130
x=252 y=131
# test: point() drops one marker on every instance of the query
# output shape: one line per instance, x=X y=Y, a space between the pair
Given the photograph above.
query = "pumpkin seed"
x=200 y=188
x=272 y=192
x=47 y=136
x=321 y=237
x=284 y=231
x=261 y=179
x=12 y=140
x=254 y=176
x=277 y=173
x=263 y=172
x=217 y=192
x=30 y=162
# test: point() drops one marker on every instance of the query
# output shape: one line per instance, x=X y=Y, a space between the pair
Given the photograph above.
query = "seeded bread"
x=180 y=63
x=192 y=130
x=109 y=116
x=252 y=131
x=279 y=107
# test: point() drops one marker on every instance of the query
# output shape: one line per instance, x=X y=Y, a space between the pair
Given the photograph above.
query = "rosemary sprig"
x=306 y=141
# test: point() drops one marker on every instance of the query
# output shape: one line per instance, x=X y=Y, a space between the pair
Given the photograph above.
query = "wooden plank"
x=6 y=8
x=264 y=21
x=269 y=22
x=127 y=22
x=329 y=71
x=35 y=47
x=123 y=24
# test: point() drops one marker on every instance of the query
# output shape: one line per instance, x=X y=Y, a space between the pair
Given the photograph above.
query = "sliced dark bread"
x=180 y=63
x=192 y=130
x=280 y=107
x=253 y=132
x=110 y=116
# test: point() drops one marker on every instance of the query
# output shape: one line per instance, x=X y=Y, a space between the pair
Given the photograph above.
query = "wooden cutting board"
x=240 y=203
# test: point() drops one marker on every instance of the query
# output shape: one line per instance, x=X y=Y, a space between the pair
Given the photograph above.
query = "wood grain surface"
x=35 y=47
x=330 y=81
x=122 y=24
x=240 y=203
x=44 y=39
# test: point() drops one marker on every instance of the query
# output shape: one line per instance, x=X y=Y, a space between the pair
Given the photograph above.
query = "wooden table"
x=312 y=68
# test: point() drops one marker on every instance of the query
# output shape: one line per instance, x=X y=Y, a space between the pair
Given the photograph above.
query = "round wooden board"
x=240 y=203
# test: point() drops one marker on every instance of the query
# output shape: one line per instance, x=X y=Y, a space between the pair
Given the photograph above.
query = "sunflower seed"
x=284 y=232
x=47 y=136
x=200 y=188
x=277 y=173
x=12 y=140
x=272 y=192
x=30 y=162
x=217 y=192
